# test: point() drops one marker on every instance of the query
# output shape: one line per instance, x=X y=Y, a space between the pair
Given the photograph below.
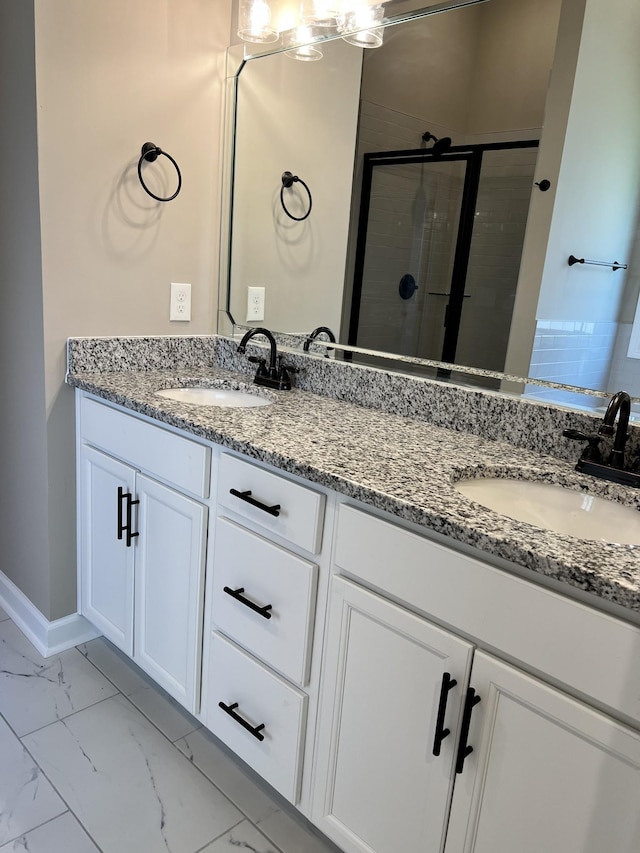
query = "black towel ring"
x=288 y=180
x=150 y=153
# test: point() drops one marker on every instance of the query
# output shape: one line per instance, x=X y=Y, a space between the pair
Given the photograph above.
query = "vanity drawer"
x=300 y=515
x=261 y=699
x=170 y=457
x=267 y=575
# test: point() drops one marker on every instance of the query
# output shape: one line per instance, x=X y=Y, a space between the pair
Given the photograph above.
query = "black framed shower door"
x=435 y=273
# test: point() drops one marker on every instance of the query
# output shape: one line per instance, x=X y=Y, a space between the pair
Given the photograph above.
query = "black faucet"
x=619 y=405
x=591 y=462
x=316 y=332
x=274 y=376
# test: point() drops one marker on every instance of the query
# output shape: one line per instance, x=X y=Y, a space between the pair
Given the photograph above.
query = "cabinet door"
x=106 y=561
x=378 y=785
x=169 y=589
x=547 y=772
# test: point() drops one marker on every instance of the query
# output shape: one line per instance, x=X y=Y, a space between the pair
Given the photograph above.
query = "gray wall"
x=83 y=250
x=23 y=521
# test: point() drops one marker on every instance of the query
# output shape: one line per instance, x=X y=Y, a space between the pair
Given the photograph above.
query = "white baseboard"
x=49 y=638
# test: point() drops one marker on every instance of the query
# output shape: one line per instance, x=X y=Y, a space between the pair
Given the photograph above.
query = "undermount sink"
x=554 y=507
x=234 y=398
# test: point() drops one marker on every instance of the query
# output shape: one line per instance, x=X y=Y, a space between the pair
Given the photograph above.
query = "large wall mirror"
x=431 y=235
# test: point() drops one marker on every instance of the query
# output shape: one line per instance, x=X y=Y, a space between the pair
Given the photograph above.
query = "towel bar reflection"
x=613 y=264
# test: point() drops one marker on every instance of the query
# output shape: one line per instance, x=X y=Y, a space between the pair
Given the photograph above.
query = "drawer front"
x=172 y=458
x=280 y=584
x=261 y=699
x=591 y=652
x=300 y=512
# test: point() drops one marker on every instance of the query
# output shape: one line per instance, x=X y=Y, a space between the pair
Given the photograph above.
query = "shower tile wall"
x=571 y=353
x=396 y=239
x=501 y=219
x=398 y=244
x=625 y=371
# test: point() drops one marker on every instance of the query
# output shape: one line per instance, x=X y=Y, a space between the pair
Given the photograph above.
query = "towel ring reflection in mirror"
x=150 y=153
x=288 y=180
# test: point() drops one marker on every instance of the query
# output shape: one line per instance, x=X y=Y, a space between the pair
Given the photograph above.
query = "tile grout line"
x=152 y=686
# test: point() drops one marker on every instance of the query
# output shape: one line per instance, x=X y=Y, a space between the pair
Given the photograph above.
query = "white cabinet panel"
x=266 y=575
x=106 y=563
x=261 y=699
x=176 y=459
x=379 y=787
x=547 y=772
x=169 y=585
x=545 y=630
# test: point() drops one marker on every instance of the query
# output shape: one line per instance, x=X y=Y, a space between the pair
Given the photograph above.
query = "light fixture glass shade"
x=320 y=13
x=361 y=25
x=254 y=22
x=299 y=39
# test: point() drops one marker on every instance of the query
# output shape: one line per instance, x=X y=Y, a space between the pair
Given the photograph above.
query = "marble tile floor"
x=95 y=757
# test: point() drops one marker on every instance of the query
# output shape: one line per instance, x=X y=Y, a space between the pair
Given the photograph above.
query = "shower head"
x=439 y=145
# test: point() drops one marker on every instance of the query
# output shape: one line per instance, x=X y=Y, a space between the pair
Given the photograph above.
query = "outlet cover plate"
x=180 y=308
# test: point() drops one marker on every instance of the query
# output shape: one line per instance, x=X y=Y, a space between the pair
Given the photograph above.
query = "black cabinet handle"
x=121 y=527
x=230 y=710
x=463 y=749
x=448 y=683
x=237 y=594
x=126 y=527
x=246 y=496
x=130 y=534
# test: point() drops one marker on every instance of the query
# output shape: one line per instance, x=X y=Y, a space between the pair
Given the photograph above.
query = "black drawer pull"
x=230 y=710
x=237 y=594
x=464 y=750
x=246 y=496
x=126 y=527
x=441 y=732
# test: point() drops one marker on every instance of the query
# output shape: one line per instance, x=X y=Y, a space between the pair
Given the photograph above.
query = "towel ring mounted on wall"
x=150 y=153
x=288 y=180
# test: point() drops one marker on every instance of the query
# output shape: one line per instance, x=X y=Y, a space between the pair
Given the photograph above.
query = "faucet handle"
x=262 y=364
x=284 y=371
x=592 y=450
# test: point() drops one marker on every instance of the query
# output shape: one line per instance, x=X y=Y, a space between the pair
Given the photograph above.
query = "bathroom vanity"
x=392 y=658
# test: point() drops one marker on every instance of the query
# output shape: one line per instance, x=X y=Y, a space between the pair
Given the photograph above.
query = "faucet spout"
x=620 y=407
x=273 y=357
x=321 y=330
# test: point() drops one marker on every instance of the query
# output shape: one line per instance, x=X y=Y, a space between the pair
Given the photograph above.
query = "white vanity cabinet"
x=263 y=601
x=142 y=543
x=547 y=772
x=392 y=687
x=524 y=766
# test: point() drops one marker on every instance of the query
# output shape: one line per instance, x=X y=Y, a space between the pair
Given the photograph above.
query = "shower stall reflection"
x=438 y=254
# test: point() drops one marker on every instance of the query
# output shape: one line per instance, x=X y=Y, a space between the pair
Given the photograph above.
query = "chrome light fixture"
x=361 y=25
x=254 y=22
x=320 y=13
x=299 y=38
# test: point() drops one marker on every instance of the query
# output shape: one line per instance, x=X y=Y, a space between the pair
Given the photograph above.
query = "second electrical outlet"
x=180 y=308
x=255 y=303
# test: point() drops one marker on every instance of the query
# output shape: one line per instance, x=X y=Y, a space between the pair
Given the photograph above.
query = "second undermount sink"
x=554 y=507
x=215 y=396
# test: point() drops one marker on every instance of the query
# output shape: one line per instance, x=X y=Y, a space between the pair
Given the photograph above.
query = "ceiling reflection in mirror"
x=429 y=235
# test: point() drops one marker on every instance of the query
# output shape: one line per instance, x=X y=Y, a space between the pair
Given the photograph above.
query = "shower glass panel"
x=412 y=228
x=438 y=254
x=500 y=220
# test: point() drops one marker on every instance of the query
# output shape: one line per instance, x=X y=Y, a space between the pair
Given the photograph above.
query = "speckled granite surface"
x=397 y=463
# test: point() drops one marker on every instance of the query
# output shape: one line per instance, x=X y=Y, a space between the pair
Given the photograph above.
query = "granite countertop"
x=399 y=464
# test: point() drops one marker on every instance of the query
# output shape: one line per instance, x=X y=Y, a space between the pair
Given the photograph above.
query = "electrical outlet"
x=180 y=308
x=255 y=303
